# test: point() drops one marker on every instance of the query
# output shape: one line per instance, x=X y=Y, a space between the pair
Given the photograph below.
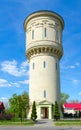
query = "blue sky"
x=14 y=68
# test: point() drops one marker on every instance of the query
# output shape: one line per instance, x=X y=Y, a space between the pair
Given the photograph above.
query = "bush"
x=2 y=116
x=6 y=116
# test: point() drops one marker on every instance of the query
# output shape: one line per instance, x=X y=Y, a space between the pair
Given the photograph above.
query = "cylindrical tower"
x=44 y=50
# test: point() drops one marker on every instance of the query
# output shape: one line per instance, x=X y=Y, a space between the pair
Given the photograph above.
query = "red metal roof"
x=75 y=106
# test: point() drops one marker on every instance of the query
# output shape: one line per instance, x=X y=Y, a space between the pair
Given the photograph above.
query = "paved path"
x=45 y=123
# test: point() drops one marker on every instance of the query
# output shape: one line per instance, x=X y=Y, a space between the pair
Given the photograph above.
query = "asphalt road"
x=38 y=128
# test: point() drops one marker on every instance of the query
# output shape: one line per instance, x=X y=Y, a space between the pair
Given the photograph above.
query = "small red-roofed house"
x=71 y=107
x=1 y=107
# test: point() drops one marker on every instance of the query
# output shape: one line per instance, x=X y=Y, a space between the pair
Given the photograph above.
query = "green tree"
x=25 y=103
x=19 y=104
x=56 y=111
x=13 y=105
x=64 y=98
x=34 y=113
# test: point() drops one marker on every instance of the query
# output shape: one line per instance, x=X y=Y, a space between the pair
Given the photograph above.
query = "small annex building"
x=71 y=108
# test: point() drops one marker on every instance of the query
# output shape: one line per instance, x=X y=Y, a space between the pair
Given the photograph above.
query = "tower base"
x=44 y=110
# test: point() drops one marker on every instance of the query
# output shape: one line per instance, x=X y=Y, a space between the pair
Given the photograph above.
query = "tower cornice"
x=46 y=50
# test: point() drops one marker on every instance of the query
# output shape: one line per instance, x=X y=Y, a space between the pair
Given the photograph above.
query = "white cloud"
x=71 y=67
x=63 y=66
x=75 y=81
x=18 y=84
x=4 y=99
x=79 y=93
x=24 y=64
x=4 y=83
x=12 y=68
x=15 y=84
x=77 y=63
x=24 y=82
x=67 y=67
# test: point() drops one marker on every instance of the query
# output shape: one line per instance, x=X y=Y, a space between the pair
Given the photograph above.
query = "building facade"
x=44 y=51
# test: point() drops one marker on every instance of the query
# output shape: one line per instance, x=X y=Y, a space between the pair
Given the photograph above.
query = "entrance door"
x=45 y=112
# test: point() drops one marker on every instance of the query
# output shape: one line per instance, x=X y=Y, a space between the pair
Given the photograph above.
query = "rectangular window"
x=33 y=66
x=45 y=32
x=44 y=64
x=32 y=34
x=44 y=94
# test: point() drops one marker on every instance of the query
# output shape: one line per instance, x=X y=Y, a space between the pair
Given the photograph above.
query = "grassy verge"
x=68 y=123
x=28 y=122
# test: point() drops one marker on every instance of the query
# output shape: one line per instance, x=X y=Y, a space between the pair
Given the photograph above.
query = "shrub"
x=8 y=116
x=2 y=116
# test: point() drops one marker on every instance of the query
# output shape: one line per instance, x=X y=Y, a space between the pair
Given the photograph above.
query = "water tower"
x=44 y=51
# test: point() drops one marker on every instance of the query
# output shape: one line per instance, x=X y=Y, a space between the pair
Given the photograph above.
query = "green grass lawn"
x=16 y=122
x=67 y=122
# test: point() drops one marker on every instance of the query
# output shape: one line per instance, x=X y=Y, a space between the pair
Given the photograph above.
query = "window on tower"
x=56 y=35
x=56 y=66
x=44 y=64
x=32 y=34
x=33 y=66
x=45 y=32
x=44 y=93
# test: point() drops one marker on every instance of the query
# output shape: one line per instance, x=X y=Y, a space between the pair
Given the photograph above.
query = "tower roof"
x=43 y=13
